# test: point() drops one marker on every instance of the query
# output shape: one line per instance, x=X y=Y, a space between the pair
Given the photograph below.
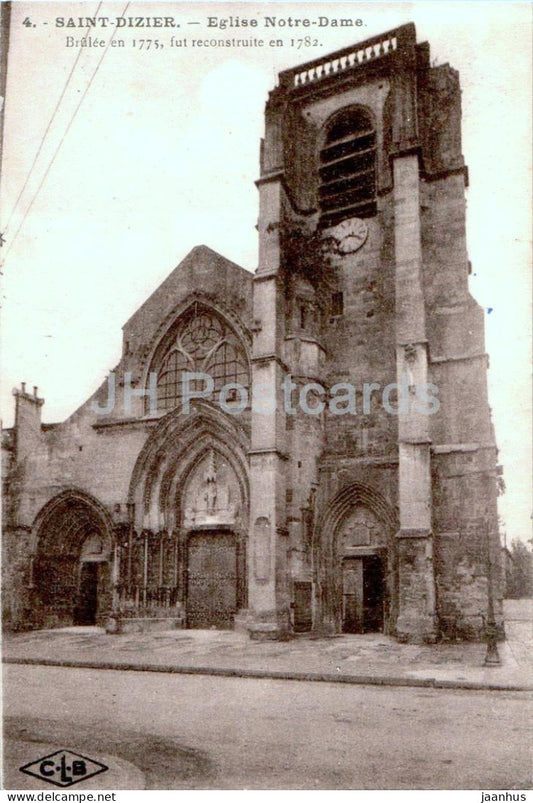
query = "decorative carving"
x=410 y=353
x=200 y=341
x=362 y=528
x=194 y=300
x=212 y=493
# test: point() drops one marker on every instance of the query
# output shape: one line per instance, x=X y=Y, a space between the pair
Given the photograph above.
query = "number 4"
x=28 y=23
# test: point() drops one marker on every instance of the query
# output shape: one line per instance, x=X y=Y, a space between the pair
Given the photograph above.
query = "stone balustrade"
x=349 y=58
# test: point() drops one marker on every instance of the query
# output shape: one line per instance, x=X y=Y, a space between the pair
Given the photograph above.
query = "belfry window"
x=347 y=170
x=199 y=342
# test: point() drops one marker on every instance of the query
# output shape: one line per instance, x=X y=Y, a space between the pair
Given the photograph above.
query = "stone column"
x=416 y=604
x=115 y=571
x=267 y=597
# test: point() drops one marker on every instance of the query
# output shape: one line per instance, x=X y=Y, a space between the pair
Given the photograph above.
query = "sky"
x=162 y=155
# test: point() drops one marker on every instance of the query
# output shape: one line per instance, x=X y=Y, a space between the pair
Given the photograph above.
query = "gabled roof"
x=201 y=270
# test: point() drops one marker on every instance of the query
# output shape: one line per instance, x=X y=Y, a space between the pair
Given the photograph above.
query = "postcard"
x=266 y=344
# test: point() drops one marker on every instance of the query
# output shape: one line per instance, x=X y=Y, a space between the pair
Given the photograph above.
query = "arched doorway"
x=72 y=569
x=94 y=586
x=215 y=555
x=363 y=546
x=184 y=555
x=355 y=563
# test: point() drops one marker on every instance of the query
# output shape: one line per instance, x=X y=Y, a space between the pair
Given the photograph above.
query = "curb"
x=316 y=677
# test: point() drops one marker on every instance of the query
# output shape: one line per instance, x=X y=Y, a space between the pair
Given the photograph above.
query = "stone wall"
x=397 y=304
x=96 y=453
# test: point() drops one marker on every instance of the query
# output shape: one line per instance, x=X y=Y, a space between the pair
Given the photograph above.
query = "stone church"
x=259 y=458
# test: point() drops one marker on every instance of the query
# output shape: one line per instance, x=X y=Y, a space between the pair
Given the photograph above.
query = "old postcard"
x=267 y=421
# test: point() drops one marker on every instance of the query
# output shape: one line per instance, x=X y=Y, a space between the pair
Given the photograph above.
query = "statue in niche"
x=212 y=494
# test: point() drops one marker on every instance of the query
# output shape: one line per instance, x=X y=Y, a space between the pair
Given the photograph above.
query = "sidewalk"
x=370 y=658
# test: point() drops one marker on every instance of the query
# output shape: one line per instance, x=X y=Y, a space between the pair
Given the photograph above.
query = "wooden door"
x=88 y=595
x=212 y=580
x=352 y=595
x=303 y=611
x=373 y=590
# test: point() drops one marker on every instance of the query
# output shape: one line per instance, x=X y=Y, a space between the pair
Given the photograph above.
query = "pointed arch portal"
x=73 y=564
x=355 y=562
x=184 y=556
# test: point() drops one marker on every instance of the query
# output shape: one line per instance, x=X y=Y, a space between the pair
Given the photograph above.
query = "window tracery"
x=199 y=342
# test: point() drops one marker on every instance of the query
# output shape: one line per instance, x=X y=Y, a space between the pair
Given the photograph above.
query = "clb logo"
x=64 y=768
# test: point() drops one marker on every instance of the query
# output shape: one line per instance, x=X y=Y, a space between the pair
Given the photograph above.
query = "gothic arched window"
x=347 y=169
x=199 y=342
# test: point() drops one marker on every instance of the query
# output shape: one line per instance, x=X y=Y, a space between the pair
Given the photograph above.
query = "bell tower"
x=363 y=281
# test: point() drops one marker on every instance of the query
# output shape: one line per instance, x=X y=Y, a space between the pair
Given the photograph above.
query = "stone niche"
x=212 y=495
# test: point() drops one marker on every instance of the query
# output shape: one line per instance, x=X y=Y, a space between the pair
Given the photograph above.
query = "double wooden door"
x=211 y=580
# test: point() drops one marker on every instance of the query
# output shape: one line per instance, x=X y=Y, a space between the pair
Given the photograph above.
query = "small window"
x=347 y=170
x=337 y=304
x=303 y=316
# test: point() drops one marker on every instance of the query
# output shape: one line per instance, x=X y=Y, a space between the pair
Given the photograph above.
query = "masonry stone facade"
x=340 y=498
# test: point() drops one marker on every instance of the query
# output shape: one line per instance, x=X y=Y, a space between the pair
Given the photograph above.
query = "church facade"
x=304 y=449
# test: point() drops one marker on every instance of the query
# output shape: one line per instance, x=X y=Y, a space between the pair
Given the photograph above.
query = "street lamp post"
x=492 y=657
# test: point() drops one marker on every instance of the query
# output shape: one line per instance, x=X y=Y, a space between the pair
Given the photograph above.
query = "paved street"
x=187 y=731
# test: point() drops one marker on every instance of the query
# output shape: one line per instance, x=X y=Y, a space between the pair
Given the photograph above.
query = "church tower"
x=373 y=475
x=357 y=492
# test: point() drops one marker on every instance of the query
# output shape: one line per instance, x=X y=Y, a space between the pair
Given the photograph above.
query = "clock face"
x=349 y=235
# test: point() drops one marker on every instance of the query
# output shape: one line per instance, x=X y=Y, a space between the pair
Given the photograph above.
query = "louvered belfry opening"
x=347 y=168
